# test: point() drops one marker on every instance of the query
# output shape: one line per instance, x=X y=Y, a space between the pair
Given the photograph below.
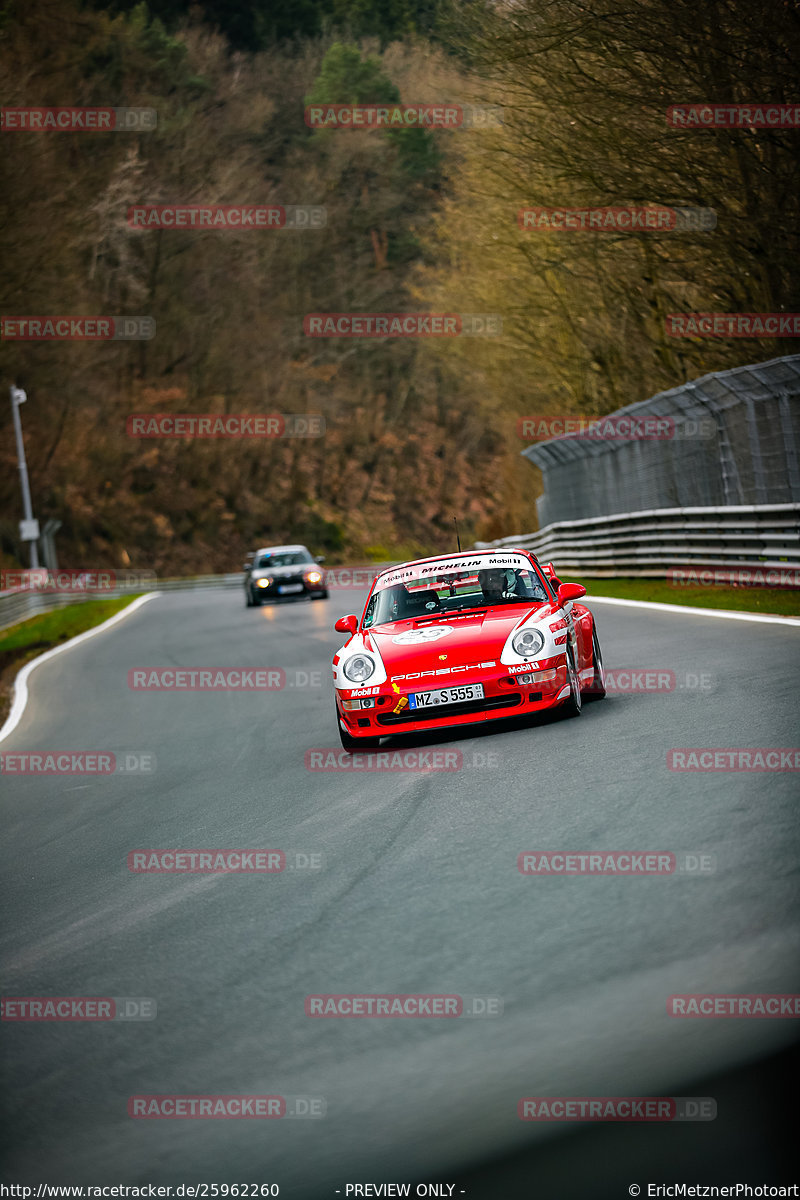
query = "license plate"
x=290 y=587
x=451 y=695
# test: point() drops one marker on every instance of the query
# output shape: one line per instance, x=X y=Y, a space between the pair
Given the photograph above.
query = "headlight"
x=359 y=667
x=313 y=576
x=263 y=582
x=527 y=643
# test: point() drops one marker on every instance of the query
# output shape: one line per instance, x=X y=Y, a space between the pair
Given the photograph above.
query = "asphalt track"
x=419 y=892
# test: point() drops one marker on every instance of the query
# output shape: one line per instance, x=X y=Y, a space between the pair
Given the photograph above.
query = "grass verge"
x=20 y=643
x=783 y=602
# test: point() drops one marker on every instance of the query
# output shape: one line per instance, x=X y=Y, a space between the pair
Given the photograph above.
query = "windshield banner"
x=465 y=564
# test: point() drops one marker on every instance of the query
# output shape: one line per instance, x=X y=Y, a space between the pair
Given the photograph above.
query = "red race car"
x=463 y=638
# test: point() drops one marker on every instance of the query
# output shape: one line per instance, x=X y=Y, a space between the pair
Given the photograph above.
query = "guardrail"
x=650 y=543
x=20 y=604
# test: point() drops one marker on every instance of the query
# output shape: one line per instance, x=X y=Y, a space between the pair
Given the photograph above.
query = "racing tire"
x=353 y=745
x=574 y=702
x=248 y=598
x=597 y=688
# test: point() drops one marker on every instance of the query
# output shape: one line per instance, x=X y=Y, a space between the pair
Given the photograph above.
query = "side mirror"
x=570 y=591
x=347 y=624
x=247 y=566
x=320 y=558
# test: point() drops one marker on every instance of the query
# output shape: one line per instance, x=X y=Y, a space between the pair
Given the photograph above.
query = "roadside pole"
x=29 y=527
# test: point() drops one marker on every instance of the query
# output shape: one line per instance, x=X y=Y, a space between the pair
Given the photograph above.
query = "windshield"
x=452 y=588
x=285 y=558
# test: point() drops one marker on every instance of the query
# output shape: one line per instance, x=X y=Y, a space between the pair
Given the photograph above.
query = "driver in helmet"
x=494 y=585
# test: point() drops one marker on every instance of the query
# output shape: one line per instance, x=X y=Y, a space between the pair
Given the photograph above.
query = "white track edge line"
x=20 y=695
x=728 y=615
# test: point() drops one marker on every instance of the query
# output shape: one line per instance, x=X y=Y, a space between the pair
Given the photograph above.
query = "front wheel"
x=574 y=702
x=248 y=598
x=353 y=745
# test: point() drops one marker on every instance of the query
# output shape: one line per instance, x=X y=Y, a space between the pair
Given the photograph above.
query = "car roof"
x=276 y=549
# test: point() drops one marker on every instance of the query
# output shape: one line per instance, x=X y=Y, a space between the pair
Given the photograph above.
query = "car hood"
x=419 y=645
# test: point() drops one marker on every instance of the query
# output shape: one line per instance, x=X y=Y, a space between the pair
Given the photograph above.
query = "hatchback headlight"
x=527 y=643
x=359 y=667
x=314 y=576
x=263 y=582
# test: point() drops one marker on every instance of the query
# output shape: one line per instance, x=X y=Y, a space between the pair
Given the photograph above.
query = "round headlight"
x=527 y=643
x=263 y=582
x=359 y=667
x=313 y=576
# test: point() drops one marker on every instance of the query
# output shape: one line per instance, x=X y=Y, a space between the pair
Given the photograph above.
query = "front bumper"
x=273 y=593
x=504 y=697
